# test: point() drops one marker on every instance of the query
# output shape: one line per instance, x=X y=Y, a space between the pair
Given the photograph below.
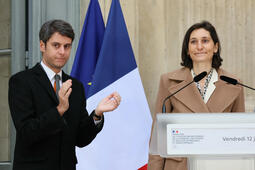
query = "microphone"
x=233 y=81
x=195 y=79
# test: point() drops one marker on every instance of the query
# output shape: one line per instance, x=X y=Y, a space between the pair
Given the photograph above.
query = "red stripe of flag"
x=143 y=168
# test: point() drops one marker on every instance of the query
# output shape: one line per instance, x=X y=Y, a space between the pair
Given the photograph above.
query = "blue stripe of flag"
x=89 y=45
x=116 y=57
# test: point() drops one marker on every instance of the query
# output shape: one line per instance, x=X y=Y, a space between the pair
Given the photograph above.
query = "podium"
x=210 y=141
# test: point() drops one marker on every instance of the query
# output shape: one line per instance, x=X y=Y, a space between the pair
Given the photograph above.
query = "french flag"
x=89 y=46
x=123 y=143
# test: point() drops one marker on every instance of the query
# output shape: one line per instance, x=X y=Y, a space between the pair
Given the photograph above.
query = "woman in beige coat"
x=200 y=52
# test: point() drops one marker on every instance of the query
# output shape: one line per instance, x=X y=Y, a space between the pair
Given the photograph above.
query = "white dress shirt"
x=211 y=87
x=51 y=74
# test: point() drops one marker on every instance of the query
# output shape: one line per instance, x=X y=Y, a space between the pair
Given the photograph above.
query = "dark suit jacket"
x=44 y=139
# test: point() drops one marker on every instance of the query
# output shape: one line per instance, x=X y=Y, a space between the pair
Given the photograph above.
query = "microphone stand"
x=164 y=105
x=245 y=86
x=233 y=81
x=195 y=79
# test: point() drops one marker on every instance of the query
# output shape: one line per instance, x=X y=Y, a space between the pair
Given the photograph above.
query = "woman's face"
x=201 y=46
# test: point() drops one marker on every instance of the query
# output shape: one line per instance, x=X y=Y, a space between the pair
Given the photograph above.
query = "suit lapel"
x=44 y=81
x=190 y=95
x=65 y=76
x=223 y=95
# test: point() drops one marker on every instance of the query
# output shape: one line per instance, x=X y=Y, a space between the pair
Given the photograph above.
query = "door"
x=20 y=21
x=6 y=129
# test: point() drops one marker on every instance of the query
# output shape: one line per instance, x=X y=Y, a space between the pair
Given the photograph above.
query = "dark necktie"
x=57 y=84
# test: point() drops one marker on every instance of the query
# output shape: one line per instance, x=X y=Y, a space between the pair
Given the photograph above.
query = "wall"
x=157 y=28
x=5 y=23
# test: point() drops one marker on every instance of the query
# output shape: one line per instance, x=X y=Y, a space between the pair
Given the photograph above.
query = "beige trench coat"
x=225 y=98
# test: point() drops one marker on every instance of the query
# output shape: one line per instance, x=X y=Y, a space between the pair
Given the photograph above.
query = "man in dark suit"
x=48 y=107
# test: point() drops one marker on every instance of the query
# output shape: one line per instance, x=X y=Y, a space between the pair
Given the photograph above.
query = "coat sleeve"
x=30 y=126
x=155 y=161
x=239 y=105
x=87 y=130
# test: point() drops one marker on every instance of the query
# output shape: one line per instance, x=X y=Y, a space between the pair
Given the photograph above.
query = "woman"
x=200 y=52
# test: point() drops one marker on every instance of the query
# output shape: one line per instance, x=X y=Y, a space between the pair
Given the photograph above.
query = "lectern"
x=211 y=141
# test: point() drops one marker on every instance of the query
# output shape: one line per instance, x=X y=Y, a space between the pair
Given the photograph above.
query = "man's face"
x=56 y=51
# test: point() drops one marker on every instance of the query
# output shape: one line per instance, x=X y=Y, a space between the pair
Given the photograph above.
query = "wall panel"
x=157 y=28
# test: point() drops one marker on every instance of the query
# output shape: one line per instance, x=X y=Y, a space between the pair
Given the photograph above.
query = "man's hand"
x=63 y=96
x=109 y=103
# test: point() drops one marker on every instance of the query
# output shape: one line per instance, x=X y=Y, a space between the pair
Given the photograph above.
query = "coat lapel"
x=44 y=81
x=190 y=95
x=65 y=76
x=223 y=95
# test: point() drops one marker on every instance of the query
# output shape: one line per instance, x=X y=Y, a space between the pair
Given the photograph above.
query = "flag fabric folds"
x=117 y=56
x=89 y=46
x=123 y=142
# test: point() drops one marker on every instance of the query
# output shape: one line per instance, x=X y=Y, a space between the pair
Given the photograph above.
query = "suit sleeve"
x=87 y=129
x=30 y=126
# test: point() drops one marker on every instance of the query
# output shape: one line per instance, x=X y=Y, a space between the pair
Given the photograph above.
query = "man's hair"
x=53 y=26
x=186 y=60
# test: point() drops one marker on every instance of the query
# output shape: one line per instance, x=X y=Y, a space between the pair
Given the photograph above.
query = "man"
x=48 y=107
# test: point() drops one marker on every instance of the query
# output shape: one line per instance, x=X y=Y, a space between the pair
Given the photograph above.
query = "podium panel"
x=209 y=140
x=221 y=163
